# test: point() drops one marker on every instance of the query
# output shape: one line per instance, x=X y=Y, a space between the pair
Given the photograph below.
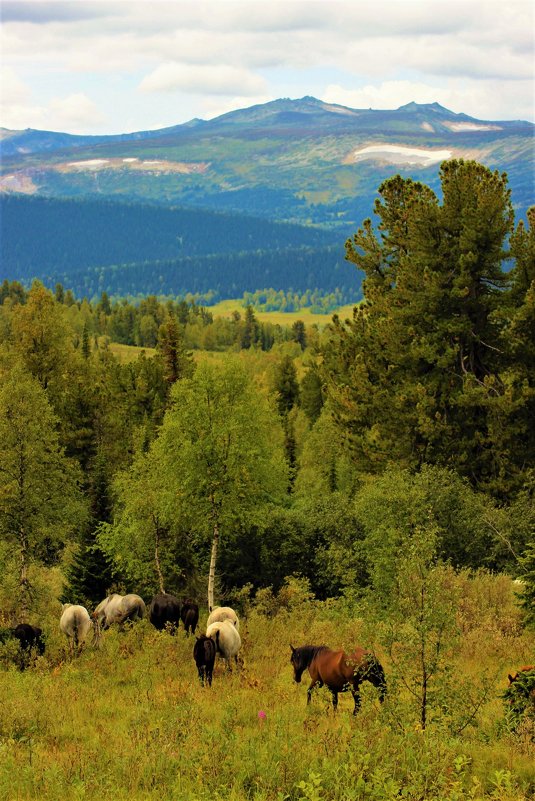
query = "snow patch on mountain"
x=459 y=127
x=398 y=154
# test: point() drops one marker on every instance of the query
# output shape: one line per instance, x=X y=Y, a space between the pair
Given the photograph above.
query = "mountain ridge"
x=292 y=160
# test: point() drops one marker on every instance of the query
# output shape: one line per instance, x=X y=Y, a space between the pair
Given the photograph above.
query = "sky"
x=99 y=67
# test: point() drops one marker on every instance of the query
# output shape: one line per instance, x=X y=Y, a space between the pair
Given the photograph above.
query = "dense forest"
x=95 y=246
x=429 y=387
x=382 y=467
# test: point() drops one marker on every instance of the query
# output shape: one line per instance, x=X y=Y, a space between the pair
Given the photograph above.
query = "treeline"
x=141 y=323
x=317 y=301
x=405 y=431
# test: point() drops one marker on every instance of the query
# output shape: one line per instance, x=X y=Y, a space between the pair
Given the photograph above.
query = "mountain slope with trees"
x=292 y=160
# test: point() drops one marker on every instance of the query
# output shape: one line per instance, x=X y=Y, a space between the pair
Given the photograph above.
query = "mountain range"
x=304 y=162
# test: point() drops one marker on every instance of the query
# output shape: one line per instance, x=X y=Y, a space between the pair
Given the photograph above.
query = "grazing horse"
x=221 y=613
x=29 y=637
x=227 y=640
x=519 y=673
x=520 y=697
x=118 y=609
x=338 y=671
x=189 y=615
x=76 y=624
x=164 y=612
x=204 y=654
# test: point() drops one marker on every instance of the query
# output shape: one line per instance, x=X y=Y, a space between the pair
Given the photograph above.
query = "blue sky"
x=109 y=67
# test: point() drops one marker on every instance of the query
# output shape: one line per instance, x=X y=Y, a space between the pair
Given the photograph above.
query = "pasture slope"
x=131 y=722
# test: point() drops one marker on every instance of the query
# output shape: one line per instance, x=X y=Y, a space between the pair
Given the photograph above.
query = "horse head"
x=298 y=663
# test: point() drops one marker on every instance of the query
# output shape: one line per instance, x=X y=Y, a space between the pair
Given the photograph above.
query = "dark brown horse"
x=204 y=652
x=338 y=671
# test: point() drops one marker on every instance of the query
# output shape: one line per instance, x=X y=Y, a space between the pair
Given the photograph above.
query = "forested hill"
x=125 y=248
x=294 y=160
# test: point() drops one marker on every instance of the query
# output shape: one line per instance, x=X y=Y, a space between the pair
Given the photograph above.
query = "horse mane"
x=310 y=651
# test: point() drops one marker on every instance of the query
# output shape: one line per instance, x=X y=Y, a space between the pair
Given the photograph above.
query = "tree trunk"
x=24 y=603
x=157 y=557
x=211 y=573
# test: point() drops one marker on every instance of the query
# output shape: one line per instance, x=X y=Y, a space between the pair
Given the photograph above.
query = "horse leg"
x=335 y=699
x=356 y=697
x=313 y=684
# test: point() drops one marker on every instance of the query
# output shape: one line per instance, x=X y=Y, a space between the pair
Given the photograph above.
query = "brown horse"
x=338 y=671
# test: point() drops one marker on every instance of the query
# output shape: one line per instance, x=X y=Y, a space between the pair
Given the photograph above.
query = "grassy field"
x=225 y=308
x=130 y=722
x=128 y=353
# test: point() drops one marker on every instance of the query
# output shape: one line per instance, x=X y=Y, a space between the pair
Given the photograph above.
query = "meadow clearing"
x=131 y=722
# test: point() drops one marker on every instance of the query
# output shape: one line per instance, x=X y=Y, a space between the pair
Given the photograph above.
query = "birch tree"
x=220 y=454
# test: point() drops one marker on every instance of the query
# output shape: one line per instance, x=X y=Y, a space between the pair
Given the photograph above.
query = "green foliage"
x=40 y=499
x=285 y=385
x=519 y=700
x=178 y=362
x=419 y=374
x=526 y=594
x=311 y=394
x=146 y=542
x=400 y=502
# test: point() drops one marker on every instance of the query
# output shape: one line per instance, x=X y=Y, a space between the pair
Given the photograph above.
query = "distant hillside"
x=301 y=160
x=124 y=249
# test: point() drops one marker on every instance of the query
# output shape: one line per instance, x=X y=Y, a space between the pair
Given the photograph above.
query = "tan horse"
x=338 y=671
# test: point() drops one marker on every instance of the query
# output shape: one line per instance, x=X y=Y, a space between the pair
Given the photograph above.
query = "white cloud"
x=77 y=111
x=211 y=80
x=12 y=89
x=215 y=107
x=471 y=97
x=214 y=51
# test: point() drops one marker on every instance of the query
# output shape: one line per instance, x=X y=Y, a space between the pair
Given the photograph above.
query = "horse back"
x=330 y=668
x=338 y=669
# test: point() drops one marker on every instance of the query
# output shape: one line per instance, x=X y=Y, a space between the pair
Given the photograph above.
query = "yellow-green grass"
x=131 y=722
x=225 y=308
x=129 y=353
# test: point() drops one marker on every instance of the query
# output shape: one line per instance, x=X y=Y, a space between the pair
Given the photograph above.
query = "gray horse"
x=118 y=609
x=76 y=624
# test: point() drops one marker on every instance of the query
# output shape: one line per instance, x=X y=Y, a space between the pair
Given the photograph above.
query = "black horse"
x=164 y=612
x=204 y=652
x=189 y=615
x=338 y=671
x=30 y=639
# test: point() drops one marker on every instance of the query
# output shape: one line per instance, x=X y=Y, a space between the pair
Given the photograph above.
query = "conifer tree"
x=178 y=362
x=285 y=385
x=415 y=376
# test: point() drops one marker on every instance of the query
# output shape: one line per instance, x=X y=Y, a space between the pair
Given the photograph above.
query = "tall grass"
x=131 y=721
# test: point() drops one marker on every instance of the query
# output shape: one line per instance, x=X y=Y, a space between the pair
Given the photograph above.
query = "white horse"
x=227 y=640
x=76 y=624
x=221 y=613
x=119 y=608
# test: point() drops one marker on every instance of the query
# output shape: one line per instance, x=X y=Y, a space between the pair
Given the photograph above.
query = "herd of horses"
x=334 y=669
